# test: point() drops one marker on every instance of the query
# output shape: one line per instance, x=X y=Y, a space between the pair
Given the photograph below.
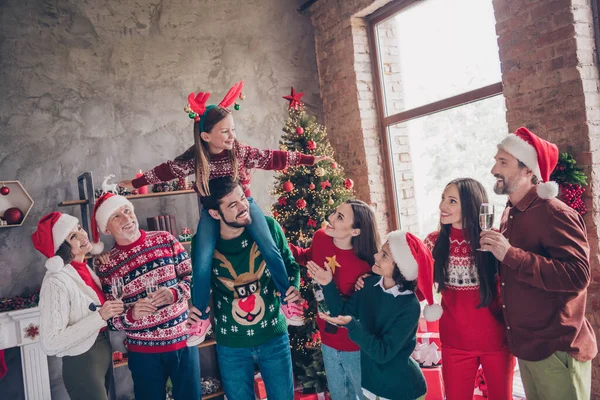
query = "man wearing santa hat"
x=544 y=253
x=156 y=273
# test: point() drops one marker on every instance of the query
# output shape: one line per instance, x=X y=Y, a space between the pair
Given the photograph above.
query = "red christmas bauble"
x=333 y=165
x=288 y=186
x=311 y=186
x=311 y=145
x=4 y=190
x=301 y=204
x=299 y=130
x=348 y=183
x=13 y=215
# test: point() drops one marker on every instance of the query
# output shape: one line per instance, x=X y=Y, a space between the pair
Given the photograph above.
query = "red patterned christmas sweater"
x=248 y=158
x=159 y=256
x=346 y=267
x=463 y=326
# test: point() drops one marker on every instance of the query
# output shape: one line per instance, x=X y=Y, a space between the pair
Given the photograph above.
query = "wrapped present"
x=210 y=385
x=427 y=355
x=428 y=338
x=305 y=396
x=259 y=388
x=435 y=383
x=426 y=326
x=117 y=356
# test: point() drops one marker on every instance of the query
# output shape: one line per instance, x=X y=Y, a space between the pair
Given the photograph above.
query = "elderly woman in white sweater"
x=73 y=308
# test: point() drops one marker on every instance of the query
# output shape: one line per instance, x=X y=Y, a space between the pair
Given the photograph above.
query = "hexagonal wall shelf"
x=18 y=197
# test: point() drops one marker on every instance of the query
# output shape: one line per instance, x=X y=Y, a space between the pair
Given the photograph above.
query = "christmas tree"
x=306 y=195
x=571 y=180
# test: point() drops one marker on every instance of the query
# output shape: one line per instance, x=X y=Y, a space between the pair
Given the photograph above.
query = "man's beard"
x=507 y=187
x=235 y=224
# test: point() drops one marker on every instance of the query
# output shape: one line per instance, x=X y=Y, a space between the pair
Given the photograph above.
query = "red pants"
x=459 y=369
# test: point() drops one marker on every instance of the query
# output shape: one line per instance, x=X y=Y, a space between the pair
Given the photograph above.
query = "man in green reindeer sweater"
x=248 y=323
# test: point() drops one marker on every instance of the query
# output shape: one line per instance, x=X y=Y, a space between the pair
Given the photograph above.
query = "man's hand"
x=194 y=316
x=360 y=282
x=339 y=320
x=495 y=242
x=162 y=297
x=292 y=295
x=143 y=308
x=320 y=275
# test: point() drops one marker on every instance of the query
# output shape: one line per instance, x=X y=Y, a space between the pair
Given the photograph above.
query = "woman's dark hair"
x=366 y=244
x=199 y=151
x=401 y=281
x=472 y=194
x=65 y=252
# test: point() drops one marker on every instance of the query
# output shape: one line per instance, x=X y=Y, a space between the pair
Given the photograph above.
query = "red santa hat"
x=51 y=233
x=414 y=261
x=537 y=154
x=105 y=206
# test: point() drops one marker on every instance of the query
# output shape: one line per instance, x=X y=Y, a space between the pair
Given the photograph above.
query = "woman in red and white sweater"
x=347 y=245
x=471 y=328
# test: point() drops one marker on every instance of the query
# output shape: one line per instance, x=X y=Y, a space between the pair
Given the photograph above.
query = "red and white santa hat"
x=537 y=154
x=105 y=206
x=51 y=233
x=414 y=261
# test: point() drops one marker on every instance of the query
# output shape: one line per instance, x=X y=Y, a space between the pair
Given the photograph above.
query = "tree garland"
x=20 y=302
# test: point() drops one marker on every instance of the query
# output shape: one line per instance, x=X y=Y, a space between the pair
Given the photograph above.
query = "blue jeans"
x=274 y=360
x=203 y=247
x=343 y=373
x=151 y=370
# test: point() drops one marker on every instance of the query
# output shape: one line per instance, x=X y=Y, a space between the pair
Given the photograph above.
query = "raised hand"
x=321 y=275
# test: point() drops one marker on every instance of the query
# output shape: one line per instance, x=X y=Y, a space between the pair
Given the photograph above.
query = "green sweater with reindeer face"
x=245 y=303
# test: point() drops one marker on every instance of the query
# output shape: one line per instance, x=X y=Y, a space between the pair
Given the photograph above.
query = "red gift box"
x=305 y=396
x=428 y=338
x=435 y=383
x=117 y=356
x=259 y=388
x=426 y=326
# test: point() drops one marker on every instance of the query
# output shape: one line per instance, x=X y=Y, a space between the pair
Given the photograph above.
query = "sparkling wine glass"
x=486 y=218
x=151 y=286
x=117 y=287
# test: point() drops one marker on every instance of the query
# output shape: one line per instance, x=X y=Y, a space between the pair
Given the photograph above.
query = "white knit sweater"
x=67 y=326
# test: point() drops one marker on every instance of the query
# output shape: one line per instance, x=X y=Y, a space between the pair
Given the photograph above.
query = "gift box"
x=426 y=326
x=259 y=388
x=298 y=395
x=428 y=338
x=117 y=356
x=435 y=383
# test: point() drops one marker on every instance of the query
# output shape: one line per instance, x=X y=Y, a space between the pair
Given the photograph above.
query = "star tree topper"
x=294 y=98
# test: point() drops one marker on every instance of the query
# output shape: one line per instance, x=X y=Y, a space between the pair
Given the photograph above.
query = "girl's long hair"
x=365 y=245
x=199 y=151
x=472 y=194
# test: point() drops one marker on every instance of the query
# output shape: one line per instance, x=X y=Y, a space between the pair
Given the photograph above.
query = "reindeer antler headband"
x=197 y=107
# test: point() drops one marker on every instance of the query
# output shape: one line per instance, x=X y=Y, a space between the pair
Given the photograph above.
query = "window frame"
x=458 y=100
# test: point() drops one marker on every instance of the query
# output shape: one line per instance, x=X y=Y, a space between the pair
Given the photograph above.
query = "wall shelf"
x=18 y=197
x=68 y=203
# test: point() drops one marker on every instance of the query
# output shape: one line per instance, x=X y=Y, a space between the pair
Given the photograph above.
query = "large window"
x=440 y=93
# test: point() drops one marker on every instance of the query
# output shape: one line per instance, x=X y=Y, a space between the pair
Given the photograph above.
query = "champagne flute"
x=486 y=218
x=151 y=286
x=117 y=287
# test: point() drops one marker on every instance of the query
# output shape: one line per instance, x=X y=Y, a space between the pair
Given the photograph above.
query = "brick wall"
x=550 y=81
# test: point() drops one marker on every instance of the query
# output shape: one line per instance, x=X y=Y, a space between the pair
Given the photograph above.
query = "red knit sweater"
x=348 y=268
x=463 y=326
x=248 y=158
x=157 y=255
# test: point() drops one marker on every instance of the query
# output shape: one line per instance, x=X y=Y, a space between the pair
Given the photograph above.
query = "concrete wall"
x=101 y=86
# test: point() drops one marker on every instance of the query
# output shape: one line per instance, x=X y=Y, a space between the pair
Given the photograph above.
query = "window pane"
x=436 y=49
x=430 y=151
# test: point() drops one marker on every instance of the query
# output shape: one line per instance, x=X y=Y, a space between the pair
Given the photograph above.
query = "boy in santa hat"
x=544 y=253
x=156 y=273
x=382 y=318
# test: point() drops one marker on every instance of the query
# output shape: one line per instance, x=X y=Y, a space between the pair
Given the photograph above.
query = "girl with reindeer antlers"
x=216 y=152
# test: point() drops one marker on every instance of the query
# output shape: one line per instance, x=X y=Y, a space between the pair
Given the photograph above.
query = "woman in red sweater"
x=347 y=245
x=471 y=328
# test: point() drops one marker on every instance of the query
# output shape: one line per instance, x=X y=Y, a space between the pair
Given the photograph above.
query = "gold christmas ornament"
x=283 y=147
x=330 y=202
x=319 y=171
